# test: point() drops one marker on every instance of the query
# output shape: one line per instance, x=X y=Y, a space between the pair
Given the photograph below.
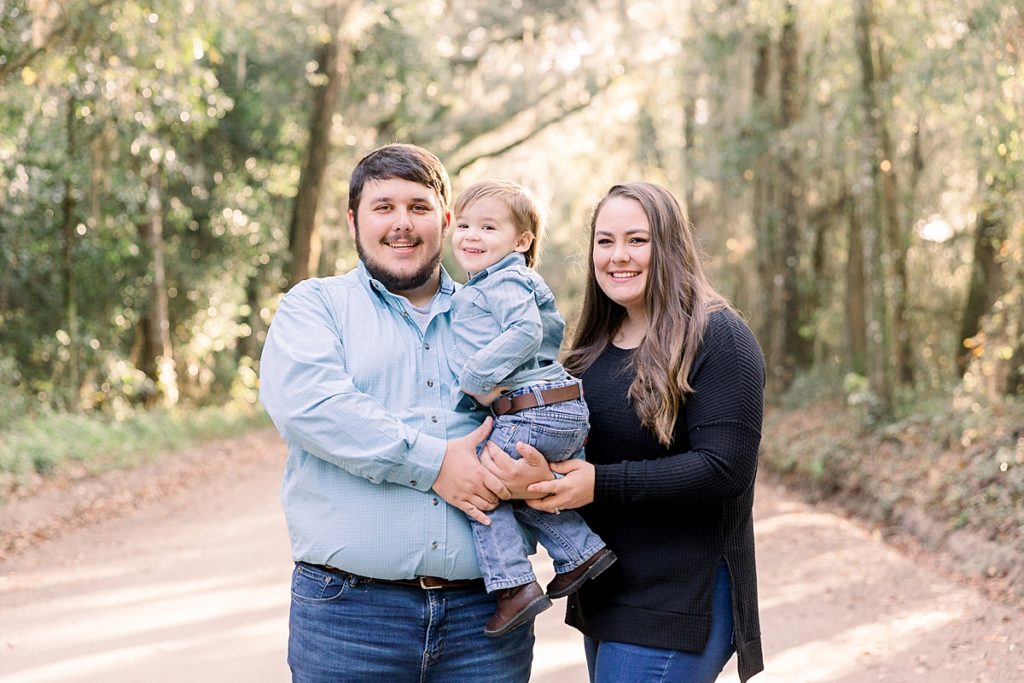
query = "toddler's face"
x=485 y=233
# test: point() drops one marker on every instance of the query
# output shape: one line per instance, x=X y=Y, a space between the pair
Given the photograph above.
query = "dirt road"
x=194 y=587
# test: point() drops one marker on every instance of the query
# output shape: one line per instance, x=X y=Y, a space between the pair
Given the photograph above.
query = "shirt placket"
x=429 y=391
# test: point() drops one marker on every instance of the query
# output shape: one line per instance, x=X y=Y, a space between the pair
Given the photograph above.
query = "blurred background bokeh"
x=168 y=168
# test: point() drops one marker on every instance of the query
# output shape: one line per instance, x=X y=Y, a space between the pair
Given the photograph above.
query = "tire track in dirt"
x=187 y=579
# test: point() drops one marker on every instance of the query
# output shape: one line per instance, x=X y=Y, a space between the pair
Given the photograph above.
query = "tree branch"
x=63 y=26
x=537 y=130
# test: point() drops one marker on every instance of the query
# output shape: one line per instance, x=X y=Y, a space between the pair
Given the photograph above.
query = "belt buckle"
x=425 y=586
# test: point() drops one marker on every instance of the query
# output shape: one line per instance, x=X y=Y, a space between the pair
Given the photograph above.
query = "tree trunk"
x=855 y=304
x=159 y=332
x=822 y=223
x=795 y=346
x=689 y=76
x=9 y=263
x=689 y=113
x=996 y=358
x=648 y=153
x=70 y=294
x=303 y=233
x=988 y=281
x=904 y=350
x=874 y=242
x=250 y=345
x=769 y=327
x=897 y=240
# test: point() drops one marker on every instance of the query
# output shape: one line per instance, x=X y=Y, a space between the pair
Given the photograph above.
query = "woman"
x=674 y=381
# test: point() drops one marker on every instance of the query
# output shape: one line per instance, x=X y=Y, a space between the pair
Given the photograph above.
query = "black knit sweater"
x=671 y=514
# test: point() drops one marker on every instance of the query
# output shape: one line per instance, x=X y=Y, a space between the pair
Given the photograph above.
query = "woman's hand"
x=517 y=475
x=574 y=490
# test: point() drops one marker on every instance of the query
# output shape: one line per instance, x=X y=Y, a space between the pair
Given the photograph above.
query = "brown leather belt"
x=425 y=582
x=504 y=405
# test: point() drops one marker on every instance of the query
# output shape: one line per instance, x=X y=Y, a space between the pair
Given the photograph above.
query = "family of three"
x=433 y=436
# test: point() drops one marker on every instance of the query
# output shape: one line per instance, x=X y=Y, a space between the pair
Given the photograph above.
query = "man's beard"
x=395 y=282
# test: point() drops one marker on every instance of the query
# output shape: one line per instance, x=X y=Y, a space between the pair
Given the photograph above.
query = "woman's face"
x=622 y=252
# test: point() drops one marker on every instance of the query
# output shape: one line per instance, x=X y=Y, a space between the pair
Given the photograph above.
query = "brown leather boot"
x=516 y=606
x=570 y=582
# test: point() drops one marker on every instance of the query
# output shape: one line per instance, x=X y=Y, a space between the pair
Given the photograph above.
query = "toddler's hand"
x=488 y=398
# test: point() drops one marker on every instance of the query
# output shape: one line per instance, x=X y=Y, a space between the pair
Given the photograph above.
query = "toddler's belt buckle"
x=430 y=583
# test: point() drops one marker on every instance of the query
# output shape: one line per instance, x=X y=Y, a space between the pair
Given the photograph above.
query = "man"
x=381 y=471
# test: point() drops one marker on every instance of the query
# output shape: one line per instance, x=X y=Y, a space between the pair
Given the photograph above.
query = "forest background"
x=853 y=169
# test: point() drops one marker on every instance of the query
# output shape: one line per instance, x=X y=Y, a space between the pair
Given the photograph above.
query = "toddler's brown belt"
x=505 y=405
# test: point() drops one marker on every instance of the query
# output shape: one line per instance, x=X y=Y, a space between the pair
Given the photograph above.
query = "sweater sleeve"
x=722 y=418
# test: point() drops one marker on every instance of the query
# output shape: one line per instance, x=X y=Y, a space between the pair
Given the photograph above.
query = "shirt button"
x=412 y=483
x=430 y=382
x=434 y=545
x=434 y=501
x=433 y=418
x=426 y=346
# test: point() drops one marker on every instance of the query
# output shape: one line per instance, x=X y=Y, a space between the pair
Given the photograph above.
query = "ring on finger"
x=557 y=511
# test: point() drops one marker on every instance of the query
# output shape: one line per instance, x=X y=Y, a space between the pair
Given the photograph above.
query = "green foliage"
x=210 y=102
x=52 y=442
x=207 y=105
x=14 y=402
x=822 y=383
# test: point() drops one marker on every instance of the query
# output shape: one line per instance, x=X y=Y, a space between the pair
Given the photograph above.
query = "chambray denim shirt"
x=362 y=397
x=506 y=330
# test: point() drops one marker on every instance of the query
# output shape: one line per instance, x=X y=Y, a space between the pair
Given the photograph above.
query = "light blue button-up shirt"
x=362 y=396
x=506 y=330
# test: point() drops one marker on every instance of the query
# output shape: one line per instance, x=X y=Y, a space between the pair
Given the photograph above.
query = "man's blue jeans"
x=558 y=431
x=613 y=662
x=344 y=630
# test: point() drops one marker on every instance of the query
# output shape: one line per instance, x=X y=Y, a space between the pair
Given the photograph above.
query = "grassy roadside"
x=950 y=472
x=65 y=444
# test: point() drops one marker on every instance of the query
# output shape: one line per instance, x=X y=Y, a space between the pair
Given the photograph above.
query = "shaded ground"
x=949 y=475
x=188 y=580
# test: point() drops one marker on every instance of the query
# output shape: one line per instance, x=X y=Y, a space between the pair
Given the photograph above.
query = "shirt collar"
x=513 y=259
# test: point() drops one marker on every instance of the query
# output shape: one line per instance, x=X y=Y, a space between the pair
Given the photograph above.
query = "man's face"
x=399 y=231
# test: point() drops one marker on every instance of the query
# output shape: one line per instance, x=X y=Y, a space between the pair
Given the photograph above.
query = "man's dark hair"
x=407 y=162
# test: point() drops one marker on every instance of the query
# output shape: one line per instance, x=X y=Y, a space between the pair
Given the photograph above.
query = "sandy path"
x=194 y=587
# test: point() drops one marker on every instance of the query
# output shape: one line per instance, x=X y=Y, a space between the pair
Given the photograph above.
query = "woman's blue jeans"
x=613 y=662
x=343 y=630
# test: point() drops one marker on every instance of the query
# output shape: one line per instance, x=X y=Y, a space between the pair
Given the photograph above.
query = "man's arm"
x=314 y=402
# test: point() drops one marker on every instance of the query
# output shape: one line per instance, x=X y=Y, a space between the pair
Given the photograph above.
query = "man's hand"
x=574 y=490
x=517 y=475
x=463 y=482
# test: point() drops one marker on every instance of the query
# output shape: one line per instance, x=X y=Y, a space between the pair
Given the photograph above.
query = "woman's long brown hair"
x=678 y=299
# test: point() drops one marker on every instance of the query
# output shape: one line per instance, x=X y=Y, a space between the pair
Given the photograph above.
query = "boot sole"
x=527 y=614
x=593 y=572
